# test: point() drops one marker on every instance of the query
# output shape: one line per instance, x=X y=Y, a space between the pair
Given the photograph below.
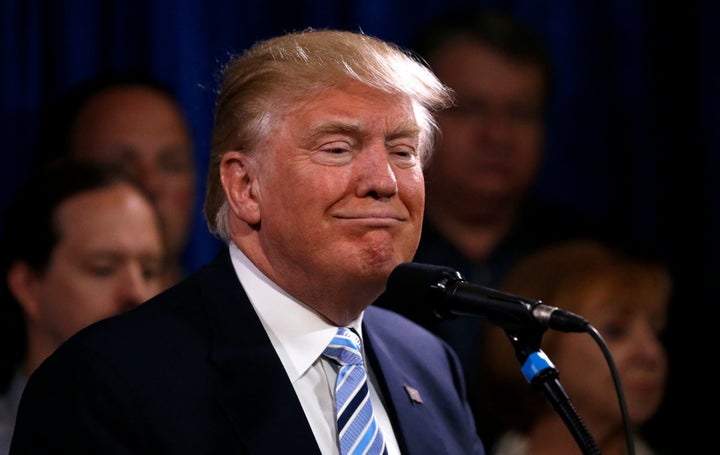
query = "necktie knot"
x=344 y=349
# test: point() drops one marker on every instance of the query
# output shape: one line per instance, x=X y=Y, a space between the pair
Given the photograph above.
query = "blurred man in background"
x=481 y=214
x=79 y=244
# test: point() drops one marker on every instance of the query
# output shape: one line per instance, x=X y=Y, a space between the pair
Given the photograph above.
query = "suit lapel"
x=411 y=421
x=252 y=387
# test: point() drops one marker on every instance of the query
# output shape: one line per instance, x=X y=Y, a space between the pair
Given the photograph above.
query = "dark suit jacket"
x=192 y=371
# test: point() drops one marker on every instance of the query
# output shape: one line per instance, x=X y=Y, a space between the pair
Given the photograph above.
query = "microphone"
x=446 y=292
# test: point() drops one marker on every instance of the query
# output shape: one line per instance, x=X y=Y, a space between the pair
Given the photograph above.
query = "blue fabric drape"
x=633 y=133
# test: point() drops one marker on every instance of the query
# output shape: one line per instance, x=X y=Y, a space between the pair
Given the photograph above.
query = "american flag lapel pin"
x=413 y=394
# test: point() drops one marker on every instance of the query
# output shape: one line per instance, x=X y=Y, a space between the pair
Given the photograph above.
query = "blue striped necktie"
x=358 y=431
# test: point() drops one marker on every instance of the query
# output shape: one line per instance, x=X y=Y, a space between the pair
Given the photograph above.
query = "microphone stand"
x=541 y=373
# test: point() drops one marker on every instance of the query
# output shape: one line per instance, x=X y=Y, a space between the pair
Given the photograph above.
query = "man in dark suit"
x=316 y=185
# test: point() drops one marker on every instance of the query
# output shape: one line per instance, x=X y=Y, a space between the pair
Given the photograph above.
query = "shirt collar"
x=297 y=332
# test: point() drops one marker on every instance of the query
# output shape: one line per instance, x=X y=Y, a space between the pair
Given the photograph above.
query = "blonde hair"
x=259 y=86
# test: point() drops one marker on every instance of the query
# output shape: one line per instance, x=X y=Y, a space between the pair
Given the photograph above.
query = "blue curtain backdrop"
x=633 y=132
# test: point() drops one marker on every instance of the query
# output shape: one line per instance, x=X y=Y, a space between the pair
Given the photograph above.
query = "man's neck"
x=476 y=238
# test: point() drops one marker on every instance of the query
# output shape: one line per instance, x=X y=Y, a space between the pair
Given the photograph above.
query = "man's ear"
x=238 y=176
x=22 y=281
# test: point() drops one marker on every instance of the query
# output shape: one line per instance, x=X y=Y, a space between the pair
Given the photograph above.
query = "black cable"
x=618 y=387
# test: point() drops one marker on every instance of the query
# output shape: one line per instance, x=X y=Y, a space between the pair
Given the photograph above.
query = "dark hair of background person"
x=29 y=233
x=495 y=28
x=57 y=119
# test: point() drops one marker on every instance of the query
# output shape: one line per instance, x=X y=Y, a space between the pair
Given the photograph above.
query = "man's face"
x=491 y=142
x=108 y=259
x=143 y=133
x=342 y=190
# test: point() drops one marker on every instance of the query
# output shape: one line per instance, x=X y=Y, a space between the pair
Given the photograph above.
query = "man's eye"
x=613 y=331
x=101 y=270
x=152 y=273
x=176 y=163
x=522 y=114
x=403 y=156
x=332 y=155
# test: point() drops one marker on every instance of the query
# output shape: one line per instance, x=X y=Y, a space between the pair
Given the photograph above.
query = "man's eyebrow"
x=335 y=127
x=405 y=129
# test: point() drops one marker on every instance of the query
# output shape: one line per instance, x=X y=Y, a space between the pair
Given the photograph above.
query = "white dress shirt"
x=9 y=403
x=299 y=336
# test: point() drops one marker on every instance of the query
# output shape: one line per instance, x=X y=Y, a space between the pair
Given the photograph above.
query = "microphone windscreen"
x=415 y=289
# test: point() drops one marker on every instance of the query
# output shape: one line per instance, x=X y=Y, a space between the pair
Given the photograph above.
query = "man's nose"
x=376 y=174
x=133 y=287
